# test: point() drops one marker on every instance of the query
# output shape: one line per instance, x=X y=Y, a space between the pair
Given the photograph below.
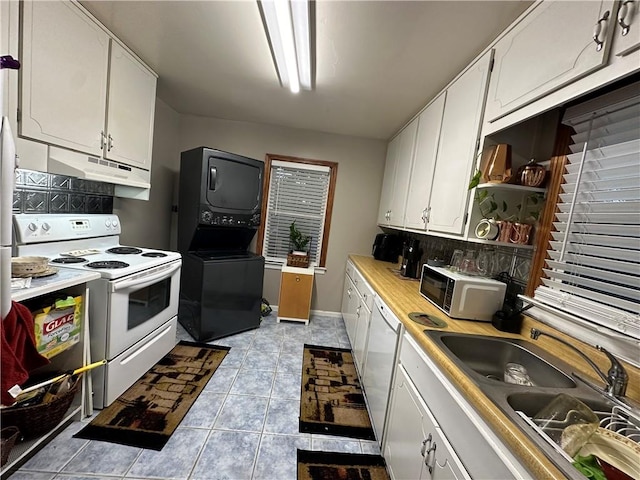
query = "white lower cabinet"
x=359 y=345
x=415 y=448
x=349 y=305
x=357 y=302
x=433 y=432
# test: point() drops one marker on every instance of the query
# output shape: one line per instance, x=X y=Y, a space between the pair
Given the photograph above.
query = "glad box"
x=58 y=326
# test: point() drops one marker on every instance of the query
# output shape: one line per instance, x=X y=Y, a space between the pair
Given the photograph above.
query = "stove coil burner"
x=69 y=260
x=125 y=250
x=107 y=264
x=154 y=254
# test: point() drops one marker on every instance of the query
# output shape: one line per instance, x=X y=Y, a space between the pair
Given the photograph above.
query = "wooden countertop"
x=402 y=296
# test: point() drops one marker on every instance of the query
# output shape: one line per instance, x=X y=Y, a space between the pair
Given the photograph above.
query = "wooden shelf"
x=510 y=186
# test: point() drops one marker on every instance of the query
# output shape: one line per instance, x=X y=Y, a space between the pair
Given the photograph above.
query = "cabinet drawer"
x=350 y=270
x=364 y=289
x=458 y=420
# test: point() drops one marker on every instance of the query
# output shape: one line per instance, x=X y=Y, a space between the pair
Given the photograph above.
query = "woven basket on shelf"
x=35 y=420
x=8 y=437
x=301 y=261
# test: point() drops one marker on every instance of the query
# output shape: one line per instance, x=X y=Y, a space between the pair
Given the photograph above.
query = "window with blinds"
x=593 y=266
x=297 y=192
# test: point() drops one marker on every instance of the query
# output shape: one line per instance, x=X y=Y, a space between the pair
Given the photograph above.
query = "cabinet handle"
x=432 y=449
x=101 y=139
x=424 y=445
x=109 y=143
x=297 y=278
x=349 y=292
x=364 y=296
x=622 y=14
x=358 y=311
x=597 y=30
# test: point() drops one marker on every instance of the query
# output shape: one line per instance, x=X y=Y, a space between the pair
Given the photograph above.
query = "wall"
x=148 y=223
x=360 y=170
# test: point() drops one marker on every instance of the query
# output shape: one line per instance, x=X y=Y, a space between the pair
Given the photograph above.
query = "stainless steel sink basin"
x=488 y=356
x=483 y=359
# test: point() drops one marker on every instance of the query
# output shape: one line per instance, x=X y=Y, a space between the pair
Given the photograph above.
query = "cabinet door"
x=424 y=162
x=64 y=76
x=627 y=32
x=551 y=47
x=363 y=320
x=349 y=309
x=130 y=114
x=295 y=295
x=386 y=195
x=404 y=163
x=457 y=148
x=408 y=431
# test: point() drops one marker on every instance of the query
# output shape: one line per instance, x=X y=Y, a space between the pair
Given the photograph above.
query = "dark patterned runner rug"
x=333 y=465
x=149 y=411
x=332 y=401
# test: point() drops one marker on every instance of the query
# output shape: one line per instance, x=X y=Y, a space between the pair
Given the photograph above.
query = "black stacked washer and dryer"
x=219 y=206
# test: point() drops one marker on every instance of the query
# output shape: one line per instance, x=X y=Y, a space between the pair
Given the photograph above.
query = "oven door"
x=141 y=303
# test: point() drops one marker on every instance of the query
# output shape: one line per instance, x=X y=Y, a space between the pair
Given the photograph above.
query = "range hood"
x=129 y=181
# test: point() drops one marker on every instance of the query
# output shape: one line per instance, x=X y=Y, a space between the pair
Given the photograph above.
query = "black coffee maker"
x=411 y=255
x=386 y=247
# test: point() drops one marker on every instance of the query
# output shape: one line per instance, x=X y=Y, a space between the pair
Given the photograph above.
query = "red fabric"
x=18 y=352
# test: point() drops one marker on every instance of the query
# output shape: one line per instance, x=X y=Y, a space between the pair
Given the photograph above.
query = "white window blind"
x=297 y=192
x=594 y=266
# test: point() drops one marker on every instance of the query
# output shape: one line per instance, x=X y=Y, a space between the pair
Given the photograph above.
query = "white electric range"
x=133 y=307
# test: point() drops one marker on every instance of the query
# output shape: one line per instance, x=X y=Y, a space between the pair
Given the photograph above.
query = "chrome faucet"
x=616 y=379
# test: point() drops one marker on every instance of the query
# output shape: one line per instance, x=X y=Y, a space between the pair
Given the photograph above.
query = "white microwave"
x=462 y=296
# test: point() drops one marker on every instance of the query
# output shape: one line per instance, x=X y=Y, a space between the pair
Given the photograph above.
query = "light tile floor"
x=244 y=425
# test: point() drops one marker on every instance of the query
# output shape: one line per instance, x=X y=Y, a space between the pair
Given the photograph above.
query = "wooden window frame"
x=333 y=174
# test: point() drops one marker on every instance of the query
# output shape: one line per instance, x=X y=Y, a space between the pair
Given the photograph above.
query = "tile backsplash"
x=516 y=262
x=39 y=192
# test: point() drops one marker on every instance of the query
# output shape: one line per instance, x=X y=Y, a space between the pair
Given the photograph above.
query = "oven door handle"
x=146 y=280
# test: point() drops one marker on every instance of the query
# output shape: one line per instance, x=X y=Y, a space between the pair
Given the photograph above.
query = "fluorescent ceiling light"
x=288 y=27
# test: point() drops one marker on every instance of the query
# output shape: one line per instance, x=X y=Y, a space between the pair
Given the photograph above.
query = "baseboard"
x=324 y=313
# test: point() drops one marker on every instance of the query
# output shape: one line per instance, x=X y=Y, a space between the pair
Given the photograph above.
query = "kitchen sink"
x=483 y=358
x=488 y=356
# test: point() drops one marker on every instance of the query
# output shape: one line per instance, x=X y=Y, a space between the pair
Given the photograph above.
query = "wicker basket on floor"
x=301 y=261
x=8 y=437
x=36 y=420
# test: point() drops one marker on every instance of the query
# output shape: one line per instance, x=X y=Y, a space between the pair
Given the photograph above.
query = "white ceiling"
x=378 y=62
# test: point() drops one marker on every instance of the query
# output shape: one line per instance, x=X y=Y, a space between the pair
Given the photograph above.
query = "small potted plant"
x=298 y=247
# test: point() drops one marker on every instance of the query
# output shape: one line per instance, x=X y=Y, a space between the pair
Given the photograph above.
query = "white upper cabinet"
x=81 y=89
x=424 y=161
x=386 y=195
x=555 y=44
x=131 y=107
x=397 y=170
x=64 y=76
x=627 y=33
x=457 y=147
x=403 y=172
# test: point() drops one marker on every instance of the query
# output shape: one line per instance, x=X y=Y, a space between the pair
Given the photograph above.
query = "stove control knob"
x=207 y=217
x=46 y=227
x=33 y=227
x=107 y=223
x=114 y=222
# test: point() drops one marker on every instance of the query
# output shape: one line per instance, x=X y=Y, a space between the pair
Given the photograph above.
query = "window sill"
x=272 y=265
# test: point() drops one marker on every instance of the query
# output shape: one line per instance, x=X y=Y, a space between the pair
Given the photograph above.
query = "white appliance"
x=384 y=335
x=462 y=296
x=7 y=178
x=133 y=307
